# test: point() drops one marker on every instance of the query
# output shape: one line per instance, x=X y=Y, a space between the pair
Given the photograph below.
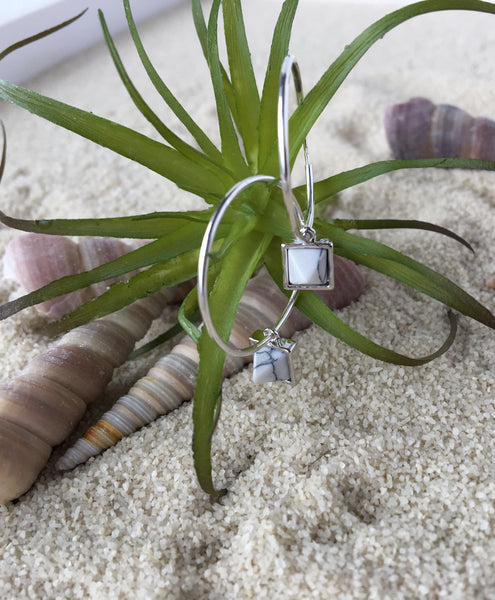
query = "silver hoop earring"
x=308 y=264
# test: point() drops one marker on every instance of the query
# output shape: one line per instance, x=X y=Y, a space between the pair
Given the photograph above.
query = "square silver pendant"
x=308 y=266
x=273 y=362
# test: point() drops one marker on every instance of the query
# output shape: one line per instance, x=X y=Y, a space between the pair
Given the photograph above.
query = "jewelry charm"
x=273 y=361
x=308 y=264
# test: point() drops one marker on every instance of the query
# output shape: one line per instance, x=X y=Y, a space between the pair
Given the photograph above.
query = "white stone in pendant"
x=308 y=266
x=272 y=362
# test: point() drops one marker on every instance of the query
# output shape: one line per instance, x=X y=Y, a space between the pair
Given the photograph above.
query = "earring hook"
x=300 y=227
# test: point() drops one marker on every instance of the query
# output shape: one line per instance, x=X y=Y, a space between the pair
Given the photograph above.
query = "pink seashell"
x=41 y=406
x=35 y=260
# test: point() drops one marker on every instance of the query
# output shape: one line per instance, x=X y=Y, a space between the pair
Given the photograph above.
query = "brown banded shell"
x=170 y=382
x=41 y=406
x=421 y=129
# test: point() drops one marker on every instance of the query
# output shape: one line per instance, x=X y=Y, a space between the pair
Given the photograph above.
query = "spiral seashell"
x=170 y=382
x=420 y=129
x=34 y=260
x=41 y=406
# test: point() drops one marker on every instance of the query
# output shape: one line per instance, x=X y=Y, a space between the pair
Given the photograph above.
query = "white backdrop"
x=24 y=18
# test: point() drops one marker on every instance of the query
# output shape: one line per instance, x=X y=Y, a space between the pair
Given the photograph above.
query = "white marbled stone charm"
x=273 y=362
x=308 y=266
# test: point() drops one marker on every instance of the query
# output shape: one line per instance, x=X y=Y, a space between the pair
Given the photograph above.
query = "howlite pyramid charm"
x=308 y=265
x=273 y=362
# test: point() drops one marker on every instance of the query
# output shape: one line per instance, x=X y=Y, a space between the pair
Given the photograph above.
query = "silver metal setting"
x=296 y=218
x=320 y=273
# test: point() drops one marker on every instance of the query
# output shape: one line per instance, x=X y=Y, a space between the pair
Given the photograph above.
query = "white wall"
x=22 y=18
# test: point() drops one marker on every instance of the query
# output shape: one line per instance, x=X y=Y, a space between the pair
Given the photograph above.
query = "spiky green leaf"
x=329 y=187
x=147 y=226
x=243 y=80
x=318 y=97
x=403 y=268
x=207 y=182
x=198 y=134
x=188 y=308
x=145 y=283
x=362 y=224
x=230 y=143
x=40 y=35
x=319 y=314
x=268 y=110
x=183 y=240
x=236 y=269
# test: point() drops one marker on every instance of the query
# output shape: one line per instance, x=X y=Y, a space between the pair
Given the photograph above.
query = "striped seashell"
x=34 y=260
x=42 y=405
x=170 y=382
x=420 y=129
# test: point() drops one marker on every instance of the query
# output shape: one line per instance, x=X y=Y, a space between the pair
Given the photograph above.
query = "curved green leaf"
x=230 y=144
x=277 y=222
x=147 y=226
x=386 y=260
x=200 y=26
x=279 y=49
x=397 y=224
x=198 y=134
x=316 y=100
x=236 y=269
x=4 y=150
x=167 y=134
x=329 y=187
x=319 y=313
x=207 y=183
x=158 y=341
x=202 y=32
x=120 y=294
x=40 y=35
x=188 y=308
x=184 y=239
x=243 y=80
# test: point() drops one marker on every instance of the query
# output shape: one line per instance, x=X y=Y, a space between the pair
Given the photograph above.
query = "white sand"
x=365 y=480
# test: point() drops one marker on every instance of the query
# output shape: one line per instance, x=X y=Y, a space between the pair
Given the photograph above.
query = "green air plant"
x=257 y=224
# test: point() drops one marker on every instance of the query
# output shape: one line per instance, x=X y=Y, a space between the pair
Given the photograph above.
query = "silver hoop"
x=204 y=261
x=300 y=228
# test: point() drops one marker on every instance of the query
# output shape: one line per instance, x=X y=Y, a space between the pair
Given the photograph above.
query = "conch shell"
x=420 y=129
